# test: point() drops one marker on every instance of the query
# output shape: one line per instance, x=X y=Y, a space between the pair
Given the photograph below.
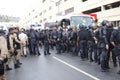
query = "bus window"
x=86 y=20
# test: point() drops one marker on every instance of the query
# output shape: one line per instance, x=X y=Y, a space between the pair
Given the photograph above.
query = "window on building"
x=50 y=8
x=58 y=3
x=92 y=10
x=116 y=23
x=50 y=17
x=44 y=19
x=33 y=10
x=40 y=21
x=60 y=13
x=29 y=14
x=36 y=16
x=43 y=1
x=106 y=7
x=84 y=0
x=70 y=10
x=65 y=0
x=44 y=11
x=112 y=5
x=40 y=14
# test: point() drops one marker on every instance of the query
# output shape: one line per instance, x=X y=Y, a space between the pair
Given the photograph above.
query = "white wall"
x=111 y=14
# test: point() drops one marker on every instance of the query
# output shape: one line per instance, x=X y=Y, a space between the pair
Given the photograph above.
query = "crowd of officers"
x=95 y=44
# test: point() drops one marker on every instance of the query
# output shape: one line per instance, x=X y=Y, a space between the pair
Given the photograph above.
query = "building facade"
x=47 y=9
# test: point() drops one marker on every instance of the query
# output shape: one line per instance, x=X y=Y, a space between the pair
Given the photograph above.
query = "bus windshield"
x=86 y=20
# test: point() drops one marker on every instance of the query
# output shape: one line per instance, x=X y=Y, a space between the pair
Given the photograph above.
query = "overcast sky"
x=15 y=8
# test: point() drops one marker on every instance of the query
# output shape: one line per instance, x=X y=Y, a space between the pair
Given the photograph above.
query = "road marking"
x=73 y=67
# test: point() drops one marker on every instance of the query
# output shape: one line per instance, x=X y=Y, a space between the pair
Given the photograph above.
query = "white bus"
x=70 y=20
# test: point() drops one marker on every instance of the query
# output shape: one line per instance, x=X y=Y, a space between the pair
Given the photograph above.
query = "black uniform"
x=73 y=42
x=109 y=30
x=115 y=37
x=102 y=42
x=83 y=37
x=54 y=38
x=96 y=48
x=37 y=34
x=46 y=42
x=58 y=42
x=91 y=44
x=32 y=42
x=64 y=41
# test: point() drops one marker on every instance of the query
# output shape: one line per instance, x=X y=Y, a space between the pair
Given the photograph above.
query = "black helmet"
x=104 y=22
x=111 y=24
x=81 y=26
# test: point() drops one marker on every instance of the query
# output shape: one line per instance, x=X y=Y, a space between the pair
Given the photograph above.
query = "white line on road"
x=87 y=74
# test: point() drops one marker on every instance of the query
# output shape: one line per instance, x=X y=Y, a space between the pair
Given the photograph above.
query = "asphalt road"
x=59 y=67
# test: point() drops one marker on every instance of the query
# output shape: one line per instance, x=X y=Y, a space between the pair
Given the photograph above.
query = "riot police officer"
x=37 y=35
x=73 y=41
x=91 y=43
x=32 y=42
x=3 y=54
x=58 y=42
x=109 y=30
x=46 y=42
x=54 y=36
x=64 y=40
x=103 y=45
x=115 y=40
x=82 y=38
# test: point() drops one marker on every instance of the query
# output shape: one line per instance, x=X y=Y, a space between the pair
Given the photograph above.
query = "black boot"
x=19 y=63
x=25 y=55
x=45 y=53
x=16 y=66
x=115 y=64
x=39 y=54
x=118 y=72
x=8 y=68
x=103 y=70
x=49 y=53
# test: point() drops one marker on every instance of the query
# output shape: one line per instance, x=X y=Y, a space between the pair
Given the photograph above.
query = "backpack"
x=1 y=67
